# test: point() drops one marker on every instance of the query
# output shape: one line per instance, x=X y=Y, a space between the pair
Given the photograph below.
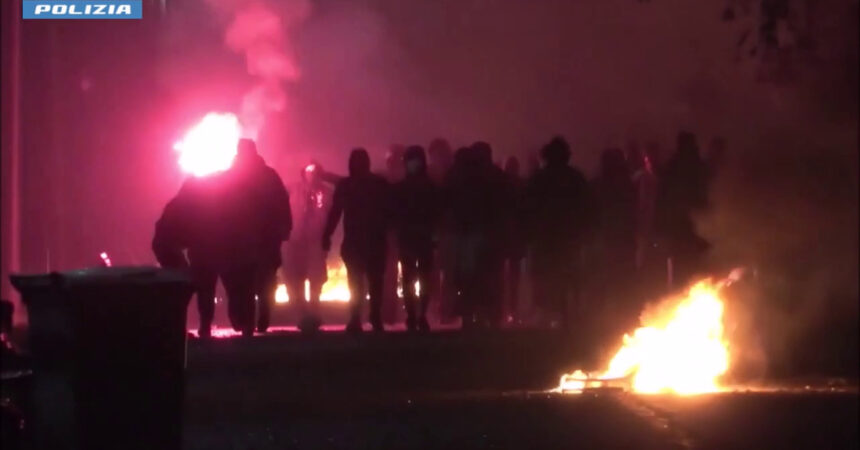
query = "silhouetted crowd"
x=465 y=232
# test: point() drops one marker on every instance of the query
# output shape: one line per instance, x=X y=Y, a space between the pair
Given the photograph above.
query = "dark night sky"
x=512 y=73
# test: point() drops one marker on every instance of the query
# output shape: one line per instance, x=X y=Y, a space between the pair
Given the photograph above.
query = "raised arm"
x=331 y=178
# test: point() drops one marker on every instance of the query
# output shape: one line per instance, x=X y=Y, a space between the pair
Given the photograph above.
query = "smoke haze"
x=314 y=78
x=602 y=73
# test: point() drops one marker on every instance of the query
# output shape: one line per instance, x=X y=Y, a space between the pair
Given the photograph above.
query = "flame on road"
x=680 y=349
x=336 y=289
x=210 y=145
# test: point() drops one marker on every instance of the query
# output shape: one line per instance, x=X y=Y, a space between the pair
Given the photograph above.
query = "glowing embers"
x=210 y=145
x=680 y=349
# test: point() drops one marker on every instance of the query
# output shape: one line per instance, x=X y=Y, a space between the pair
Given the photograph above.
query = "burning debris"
x=679 y=349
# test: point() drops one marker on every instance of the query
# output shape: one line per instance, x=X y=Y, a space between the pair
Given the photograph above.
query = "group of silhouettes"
x=460 y=226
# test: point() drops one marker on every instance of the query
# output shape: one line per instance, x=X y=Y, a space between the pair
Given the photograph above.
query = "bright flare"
x=209 y=146
x=681 y=350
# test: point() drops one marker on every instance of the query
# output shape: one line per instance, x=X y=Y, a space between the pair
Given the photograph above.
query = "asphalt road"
x=457 y=390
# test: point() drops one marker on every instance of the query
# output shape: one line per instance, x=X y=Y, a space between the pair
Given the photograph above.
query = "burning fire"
x=336 y=289
x=680 y=350
x=209 y=146
x=281 y=295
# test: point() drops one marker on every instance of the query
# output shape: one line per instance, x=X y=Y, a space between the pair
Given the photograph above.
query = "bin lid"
x=102 y=276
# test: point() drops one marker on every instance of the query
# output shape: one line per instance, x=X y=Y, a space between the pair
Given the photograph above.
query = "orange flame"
x=680 y=351
x=336 y=289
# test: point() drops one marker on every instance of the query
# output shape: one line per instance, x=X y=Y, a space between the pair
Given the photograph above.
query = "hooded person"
x=645 y=183
x=649 y=264
x=170 y=239
x=363 y=199
x=417 y=211
x=476 y=200
x=682 y=193
x=440 y=159
x=500 y=204
x=616 y=201
x=614 y=243
x=557 y=215
x=259 y=221
x=514 y=243
x=394 y=173
x=193 y=223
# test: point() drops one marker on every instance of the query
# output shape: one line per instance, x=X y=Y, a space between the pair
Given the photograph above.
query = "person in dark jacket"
x=417 y=208
x=394 y=173
x=440 y=158
x=645 y=182
x=192 y=222
x=614 y=241
x=558 y=214
x=364 y=201
x=232 y=225
x=615 y=198
x=514 y=244
x=169 y=241
x=650 y=267
x=682 y=193
x=261 y=221
x=476 y=197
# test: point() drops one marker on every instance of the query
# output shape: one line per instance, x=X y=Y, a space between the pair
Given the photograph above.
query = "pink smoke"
x=259 y=29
